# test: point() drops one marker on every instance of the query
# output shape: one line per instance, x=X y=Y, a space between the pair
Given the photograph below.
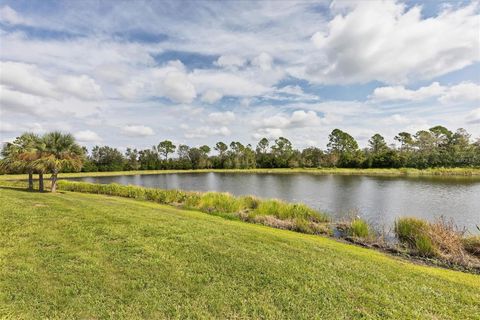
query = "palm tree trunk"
x=40 y=182
x=30 y=181
x=54 y=181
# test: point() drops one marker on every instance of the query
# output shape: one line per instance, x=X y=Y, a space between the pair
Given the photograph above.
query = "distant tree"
x=344 y=147
x=165 y=148
x=107 y=158
x=262 y=146
x=221 y=148
x=131 y=159
x=377 y=144
x=312 y=157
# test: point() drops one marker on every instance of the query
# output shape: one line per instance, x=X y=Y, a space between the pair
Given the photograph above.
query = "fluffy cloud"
x=462 y=92
x=221 y=118
x=269 y=133
x=178 y=88
x=19 y=102
x=206 y=131
x=10 y=16
x=211 y=96
x=230 y=61
x=82 y=87
x=263 y=61
x=474 y=116
x=87 y=136
x=401 y=93
x=465 y=91
x=26 y=78
x=297 y=119
x=137 y=131
x=381 y=40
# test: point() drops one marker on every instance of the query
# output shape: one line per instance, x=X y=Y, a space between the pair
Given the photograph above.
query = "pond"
x=378 y=199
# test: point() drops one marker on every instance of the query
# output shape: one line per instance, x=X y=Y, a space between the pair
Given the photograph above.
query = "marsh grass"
x=359 y=228
x=275 y=213
x=414 y=233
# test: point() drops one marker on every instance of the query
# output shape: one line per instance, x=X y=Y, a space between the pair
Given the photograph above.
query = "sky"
x=134 y=73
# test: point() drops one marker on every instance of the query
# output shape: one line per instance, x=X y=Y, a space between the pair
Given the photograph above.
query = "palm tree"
x=59 y=152
x=19 y=155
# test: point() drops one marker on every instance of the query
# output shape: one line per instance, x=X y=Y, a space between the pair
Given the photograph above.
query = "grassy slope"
x=344 y=171
x=90 y=256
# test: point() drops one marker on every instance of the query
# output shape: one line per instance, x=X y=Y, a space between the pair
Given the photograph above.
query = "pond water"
x=377 y=199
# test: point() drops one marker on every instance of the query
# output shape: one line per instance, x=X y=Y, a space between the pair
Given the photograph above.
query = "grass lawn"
x=72 y=255
x=342 y=171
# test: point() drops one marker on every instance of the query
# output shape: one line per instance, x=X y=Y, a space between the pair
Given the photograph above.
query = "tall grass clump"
x=359 y=228
x=415 y=233
x=219 y=203
x=283 y=210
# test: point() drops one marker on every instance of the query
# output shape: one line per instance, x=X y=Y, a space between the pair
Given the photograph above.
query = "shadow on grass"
x=23 y=189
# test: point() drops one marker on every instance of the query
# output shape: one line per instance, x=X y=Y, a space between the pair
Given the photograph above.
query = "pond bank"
x=438 y=243
x=341 y=171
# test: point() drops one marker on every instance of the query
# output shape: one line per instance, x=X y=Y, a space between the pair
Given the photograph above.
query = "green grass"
x=359 y=228
x=341 y=171
x=73 y=255
x=414 y=233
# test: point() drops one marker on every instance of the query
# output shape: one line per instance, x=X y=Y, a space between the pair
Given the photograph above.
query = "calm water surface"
x=377 y=199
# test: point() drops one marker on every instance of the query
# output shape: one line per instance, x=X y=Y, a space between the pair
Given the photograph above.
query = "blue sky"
x=133 y=73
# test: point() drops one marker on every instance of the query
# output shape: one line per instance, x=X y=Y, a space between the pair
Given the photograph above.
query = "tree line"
x=55 y=152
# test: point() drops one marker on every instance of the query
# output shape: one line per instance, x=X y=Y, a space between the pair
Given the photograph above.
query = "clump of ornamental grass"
x=415 y=234
x=359 y=228
x=283 y=210
x=219 y=202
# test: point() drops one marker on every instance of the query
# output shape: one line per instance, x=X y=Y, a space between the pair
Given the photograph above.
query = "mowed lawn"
x=70 y=255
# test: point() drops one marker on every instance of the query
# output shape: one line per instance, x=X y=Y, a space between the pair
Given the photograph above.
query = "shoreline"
x=401 y=172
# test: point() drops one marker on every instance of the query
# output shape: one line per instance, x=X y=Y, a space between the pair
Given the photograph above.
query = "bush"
x=415 y=233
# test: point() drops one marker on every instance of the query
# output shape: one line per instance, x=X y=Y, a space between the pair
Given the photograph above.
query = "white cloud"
x=206 y=131
x=474 y=116
x=297 y=119
x=230 y=61
x=87 y=136
x=10 y=16
x=400 y=93
x=211 y=96
x=26 y=78
x=137 y=131
x=462 y=92
x=178 y=88
x=229 y=84
x=269 y=133
x=221 y=118
x=82 y=87
x=263 y=61
x=19 y=102
x=384 y=41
